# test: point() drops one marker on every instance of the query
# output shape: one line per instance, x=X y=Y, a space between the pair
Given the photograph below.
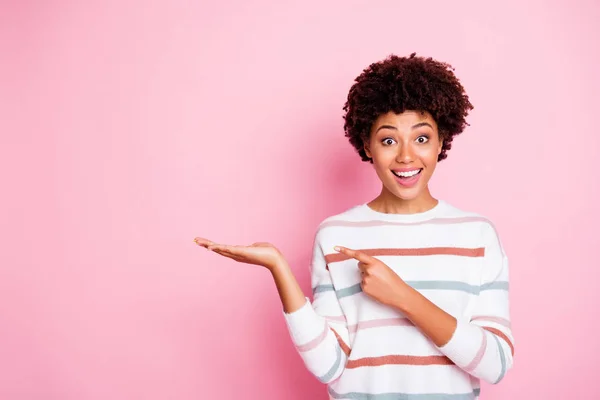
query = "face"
x=404 y=148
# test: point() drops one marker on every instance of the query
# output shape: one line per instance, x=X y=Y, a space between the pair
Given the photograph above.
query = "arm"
x=482 y=347
x=290 y=293
x=318 y=330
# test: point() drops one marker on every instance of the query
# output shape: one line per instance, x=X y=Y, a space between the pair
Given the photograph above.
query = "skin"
x=406 y=140
x=397 y=141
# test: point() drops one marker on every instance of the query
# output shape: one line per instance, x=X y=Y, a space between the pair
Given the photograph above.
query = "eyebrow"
x=420 y=124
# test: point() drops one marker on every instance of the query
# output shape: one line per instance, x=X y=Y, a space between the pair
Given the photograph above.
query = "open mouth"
x=408 y=178
x=407 y=174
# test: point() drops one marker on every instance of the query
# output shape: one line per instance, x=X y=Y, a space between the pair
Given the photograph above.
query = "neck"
x=389 y=203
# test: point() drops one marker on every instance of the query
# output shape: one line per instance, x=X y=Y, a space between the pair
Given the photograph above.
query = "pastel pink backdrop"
x=130 y=127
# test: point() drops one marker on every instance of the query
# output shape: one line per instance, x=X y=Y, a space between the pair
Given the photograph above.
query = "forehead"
x=404 y=120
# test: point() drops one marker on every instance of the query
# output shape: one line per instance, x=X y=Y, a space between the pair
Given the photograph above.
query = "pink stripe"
x=315 y=342
x=436 y=221
x=341 y=318
x=417 y=252
x=377 y=323
x=498 y=320
x=473 y=364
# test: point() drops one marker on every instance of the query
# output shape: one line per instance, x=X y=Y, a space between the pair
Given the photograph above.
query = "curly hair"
x=406 y=83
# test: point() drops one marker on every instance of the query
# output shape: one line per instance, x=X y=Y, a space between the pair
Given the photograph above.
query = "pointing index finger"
x=357 y=255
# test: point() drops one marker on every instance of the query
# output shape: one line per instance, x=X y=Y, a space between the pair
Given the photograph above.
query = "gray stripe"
x=502 y=285
x=433 y=285
x=405 y=396
x=502 y=359
x=323 y=288
x=349 y=291
x=439 y=285
x=327 y=377
x=444 y=285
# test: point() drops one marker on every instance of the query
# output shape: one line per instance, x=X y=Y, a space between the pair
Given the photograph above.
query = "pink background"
x=128 y=128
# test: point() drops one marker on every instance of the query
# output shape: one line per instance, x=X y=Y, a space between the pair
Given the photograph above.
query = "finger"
x=234 y=250
x=219 y=247
x=238 y=251
x=235 y=258
x=219 y=250
x=356 y=254
x=203 y=242
x=363 y=267
x=261 y=244
x=228 y=254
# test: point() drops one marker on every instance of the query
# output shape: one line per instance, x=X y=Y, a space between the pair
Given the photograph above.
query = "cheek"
x=430 y=154
x=382 y=158
x=380 y=166
x=382 y=169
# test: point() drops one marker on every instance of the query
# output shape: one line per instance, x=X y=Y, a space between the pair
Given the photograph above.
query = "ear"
x=367 y=151
x=440 y=147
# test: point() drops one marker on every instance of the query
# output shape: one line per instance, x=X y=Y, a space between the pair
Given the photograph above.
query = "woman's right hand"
x=270 y=257
x=261 y=253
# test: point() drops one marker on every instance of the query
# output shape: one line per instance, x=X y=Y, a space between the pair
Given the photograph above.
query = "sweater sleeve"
x=319 y=329
x=483 y=346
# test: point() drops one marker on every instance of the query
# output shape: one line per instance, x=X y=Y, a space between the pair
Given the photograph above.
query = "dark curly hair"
x=406 y=83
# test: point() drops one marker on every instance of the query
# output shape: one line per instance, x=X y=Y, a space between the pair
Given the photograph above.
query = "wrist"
x=405 y=298
x=278 y=266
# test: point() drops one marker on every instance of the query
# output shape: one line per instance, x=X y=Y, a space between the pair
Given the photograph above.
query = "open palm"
x=260 y=253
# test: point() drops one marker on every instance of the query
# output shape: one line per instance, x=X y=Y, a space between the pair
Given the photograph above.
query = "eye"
x=388 y=141
x=423 y=139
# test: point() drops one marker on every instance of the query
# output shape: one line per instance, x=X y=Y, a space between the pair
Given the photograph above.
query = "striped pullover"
x=363 y=349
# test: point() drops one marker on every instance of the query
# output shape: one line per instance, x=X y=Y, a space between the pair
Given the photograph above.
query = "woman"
x=410 y=293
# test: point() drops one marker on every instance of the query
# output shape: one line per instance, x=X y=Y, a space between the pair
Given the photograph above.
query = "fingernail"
x=336 y=248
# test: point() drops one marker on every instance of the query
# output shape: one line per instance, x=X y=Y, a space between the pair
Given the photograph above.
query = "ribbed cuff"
x=463 y=345
x=304 y=324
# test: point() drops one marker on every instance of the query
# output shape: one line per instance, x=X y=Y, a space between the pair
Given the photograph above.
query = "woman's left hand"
x=378 y=280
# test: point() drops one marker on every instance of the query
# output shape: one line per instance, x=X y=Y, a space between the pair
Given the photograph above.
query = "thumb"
x=261 y=244
x=362 y=266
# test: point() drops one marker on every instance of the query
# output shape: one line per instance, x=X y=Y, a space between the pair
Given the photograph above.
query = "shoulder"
x=353 y=213
x=346 y=218
x=480 y=225
x=482 y=221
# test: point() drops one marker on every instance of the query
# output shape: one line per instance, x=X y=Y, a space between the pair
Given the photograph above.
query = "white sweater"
x=366 y=350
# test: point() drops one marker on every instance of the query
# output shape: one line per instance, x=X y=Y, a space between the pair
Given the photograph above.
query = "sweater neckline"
x=421 y=216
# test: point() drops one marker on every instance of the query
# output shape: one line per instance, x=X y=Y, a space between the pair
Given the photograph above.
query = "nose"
x=405 y=154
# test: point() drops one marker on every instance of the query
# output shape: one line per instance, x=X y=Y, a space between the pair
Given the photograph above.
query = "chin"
x=407 y=194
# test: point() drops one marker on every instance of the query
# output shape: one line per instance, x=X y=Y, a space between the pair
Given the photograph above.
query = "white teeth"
x=407 y=174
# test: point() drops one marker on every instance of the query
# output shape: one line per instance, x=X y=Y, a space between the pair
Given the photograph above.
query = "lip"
x=405 y=169
x=408 y=182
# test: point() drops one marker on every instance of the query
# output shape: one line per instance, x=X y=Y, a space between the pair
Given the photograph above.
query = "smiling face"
x=404 y=149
